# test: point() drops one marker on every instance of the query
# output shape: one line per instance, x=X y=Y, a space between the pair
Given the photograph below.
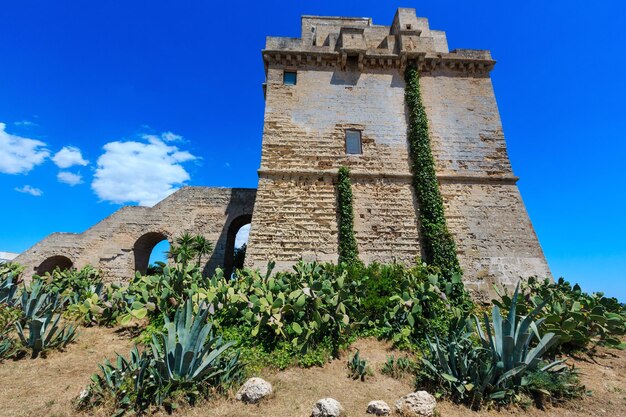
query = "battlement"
x=345 y=41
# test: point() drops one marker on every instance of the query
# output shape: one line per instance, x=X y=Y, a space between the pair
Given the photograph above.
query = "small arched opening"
x=53 y=262
x=150 y=249
x=236 y=243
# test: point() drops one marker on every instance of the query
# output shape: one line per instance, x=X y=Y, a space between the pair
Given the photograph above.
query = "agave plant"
x=496 y=369
x=358 y=366
x=8 y=288
x=188 y=351
x=578 y=318
x=36 y=301
x=7 y=346
x=463 y=370
x=509 y=343
x=45 y=333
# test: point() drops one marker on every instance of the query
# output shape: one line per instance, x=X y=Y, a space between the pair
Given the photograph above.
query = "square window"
x=353 y=142
x=290 y=78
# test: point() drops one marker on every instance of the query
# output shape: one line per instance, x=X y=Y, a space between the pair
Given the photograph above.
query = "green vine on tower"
x=439 y=246
x=348 y=249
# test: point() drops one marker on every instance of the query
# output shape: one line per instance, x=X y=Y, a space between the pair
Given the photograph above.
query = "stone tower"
x=335 y=96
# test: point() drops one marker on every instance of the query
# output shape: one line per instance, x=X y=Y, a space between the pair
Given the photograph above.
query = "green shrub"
x=153 y=295
x=8 y=318
x=318 y=303
x=302 y=307
x=553 y=387
x=578 y=318
x=419 y=308
x=399 y=368
x=99 y=305
x=256 y=356
x=70 y=282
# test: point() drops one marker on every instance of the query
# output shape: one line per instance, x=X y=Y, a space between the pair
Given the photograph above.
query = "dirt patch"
x=46 y=387
x=296 y=390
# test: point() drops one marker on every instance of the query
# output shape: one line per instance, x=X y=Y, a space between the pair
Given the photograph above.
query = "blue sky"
x=173 y=90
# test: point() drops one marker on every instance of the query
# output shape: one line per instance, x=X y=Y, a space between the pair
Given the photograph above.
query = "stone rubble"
x=378 y=408
x=328 y=407
x=253 y=390
x=416 y=404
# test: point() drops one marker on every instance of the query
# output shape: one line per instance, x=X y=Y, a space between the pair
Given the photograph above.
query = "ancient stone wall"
x=304 y=146
x=495 y=239
x=121 y=244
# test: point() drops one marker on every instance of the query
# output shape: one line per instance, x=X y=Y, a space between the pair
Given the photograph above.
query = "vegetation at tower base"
x=348 y=248
x=439 y=246
x=185 y=361
x=579 y=319
x=204 y=340
x=497 y=371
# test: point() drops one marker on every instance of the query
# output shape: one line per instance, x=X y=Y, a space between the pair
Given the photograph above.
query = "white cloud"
x=27 y=189
x=25 y=123
x=164 y=137
x=140 y=172
x=69 y=178
x=69 y=156
x=242 y=236
x=19 y=155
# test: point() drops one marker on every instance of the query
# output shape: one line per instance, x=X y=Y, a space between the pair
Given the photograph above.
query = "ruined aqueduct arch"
x=121 y=244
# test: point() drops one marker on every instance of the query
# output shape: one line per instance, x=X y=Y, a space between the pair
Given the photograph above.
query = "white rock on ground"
x=328 y=407
x=254 y=390
x=378 y=408
x=416 y=404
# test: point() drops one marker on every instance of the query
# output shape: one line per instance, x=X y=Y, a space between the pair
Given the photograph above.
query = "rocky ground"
x=46 y=386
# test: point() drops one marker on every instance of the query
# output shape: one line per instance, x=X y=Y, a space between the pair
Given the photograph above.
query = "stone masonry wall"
x=111 y=244
x=495 y=239
x=304 y=146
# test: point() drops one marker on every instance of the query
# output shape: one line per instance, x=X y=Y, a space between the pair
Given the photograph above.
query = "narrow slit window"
x=290 y=77
x=353 y=142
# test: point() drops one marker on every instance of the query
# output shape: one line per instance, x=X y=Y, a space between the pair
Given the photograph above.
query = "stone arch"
x=53 y=262
x=143 y=248
x=229 y=250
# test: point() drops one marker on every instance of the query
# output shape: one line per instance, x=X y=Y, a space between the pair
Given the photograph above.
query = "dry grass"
x=46 y=387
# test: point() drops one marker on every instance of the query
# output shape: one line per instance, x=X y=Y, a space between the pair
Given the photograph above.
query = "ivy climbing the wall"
x=348 y=249
x=439 y=246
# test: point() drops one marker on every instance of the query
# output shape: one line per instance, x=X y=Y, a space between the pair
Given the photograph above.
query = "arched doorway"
x=144 y=247
x=53 y=262
x=240 y=223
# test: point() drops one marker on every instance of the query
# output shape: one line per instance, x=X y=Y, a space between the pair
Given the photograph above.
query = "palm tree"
x=201 y=246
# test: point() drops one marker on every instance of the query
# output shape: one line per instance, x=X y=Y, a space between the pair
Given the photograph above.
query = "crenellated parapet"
x=343 y=42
